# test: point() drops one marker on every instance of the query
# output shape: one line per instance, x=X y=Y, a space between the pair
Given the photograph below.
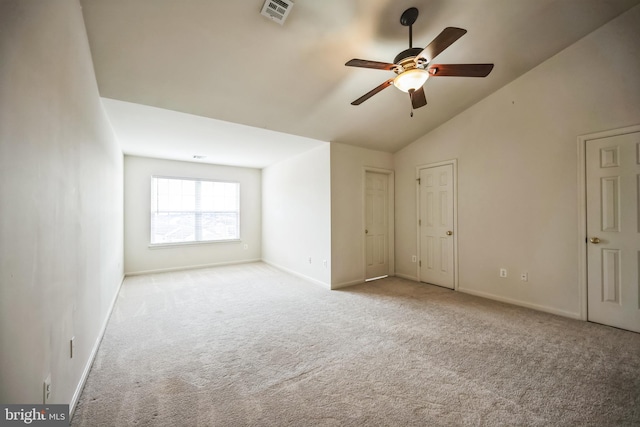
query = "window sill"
x=180 y=244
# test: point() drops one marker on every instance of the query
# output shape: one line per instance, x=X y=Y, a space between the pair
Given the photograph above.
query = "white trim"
x=192 y=243
x=346 y=284
x=390 y=218
x=94 y=351
x=454 y=164
x=191 y=267
x=300 y=275
x=538 y=307
x=582 y=210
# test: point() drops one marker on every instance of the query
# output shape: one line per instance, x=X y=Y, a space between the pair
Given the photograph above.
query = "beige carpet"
x=249 y=345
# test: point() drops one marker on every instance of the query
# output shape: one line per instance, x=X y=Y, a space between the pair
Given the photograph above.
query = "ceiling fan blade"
x=369 y=64
x=460 y=70
x=372 y=92
x=445 y=39
x=418 y=98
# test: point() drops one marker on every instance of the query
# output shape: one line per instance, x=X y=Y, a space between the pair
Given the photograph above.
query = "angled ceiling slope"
x=226 y=61
x=164 y=134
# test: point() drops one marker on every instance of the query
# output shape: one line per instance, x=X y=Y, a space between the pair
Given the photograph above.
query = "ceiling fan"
x=413 y=66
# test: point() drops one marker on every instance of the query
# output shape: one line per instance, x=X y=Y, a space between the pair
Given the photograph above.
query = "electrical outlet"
x=503 y=272
x=325 y=263
x=413 y=258
x=524 y=277
x=246 y=246
x=46 y=396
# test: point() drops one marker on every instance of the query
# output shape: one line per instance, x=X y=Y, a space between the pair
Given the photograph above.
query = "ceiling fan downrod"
x=407 y=19
x=410 y=36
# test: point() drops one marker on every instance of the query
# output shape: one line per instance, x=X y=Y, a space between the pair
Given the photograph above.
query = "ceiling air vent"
x=277 y=10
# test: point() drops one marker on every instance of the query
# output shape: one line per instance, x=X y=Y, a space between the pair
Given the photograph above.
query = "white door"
x=613 y=230
x=435 y=223
x=376 y=225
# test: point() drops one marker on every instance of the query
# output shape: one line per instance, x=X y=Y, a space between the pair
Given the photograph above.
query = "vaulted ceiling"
x=224 y=60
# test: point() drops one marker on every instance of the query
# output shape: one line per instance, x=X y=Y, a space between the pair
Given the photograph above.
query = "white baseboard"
x=190 y=267
x=94 y=352
x=295 y=273
x=346 y=284
x=538 y=307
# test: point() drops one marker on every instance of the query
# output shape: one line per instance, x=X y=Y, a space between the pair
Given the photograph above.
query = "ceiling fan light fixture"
x=412 y=79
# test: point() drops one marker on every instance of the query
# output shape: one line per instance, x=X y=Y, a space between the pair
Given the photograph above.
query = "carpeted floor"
x=249 y=345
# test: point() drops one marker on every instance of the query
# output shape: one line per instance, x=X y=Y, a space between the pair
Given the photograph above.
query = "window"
x=185 y=210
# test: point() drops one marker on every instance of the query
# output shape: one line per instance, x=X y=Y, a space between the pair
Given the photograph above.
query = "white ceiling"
x=165 y=134
x=223 y=60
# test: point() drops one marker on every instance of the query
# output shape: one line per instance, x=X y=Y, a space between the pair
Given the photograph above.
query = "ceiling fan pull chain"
x=411 y=91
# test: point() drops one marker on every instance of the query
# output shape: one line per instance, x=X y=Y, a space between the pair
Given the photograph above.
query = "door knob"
x=449 y=233
x=366 y=231
x=594 y=240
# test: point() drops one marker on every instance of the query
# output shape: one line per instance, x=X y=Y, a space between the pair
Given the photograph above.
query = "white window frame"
x=197 y=212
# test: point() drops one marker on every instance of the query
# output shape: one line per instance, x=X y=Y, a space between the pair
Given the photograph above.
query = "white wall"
x=139 y=257
x=296 y=214
x=348 y=165
x=60 y=202
x=517 y=169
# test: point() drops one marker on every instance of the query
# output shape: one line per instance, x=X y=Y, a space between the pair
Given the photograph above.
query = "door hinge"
x=418 y=179
x=419 y=222
x=419 y=263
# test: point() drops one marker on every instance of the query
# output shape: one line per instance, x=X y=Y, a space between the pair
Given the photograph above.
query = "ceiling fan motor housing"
x=407 y=54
